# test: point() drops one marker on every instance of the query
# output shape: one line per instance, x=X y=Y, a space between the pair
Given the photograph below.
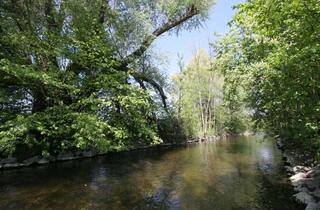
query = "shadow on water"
x=242 y=173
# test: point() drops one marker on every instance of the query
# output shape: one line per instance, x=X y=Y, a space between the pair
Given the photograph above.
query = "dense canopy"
x=72 y=74
x=82 y=75
x=272 y=52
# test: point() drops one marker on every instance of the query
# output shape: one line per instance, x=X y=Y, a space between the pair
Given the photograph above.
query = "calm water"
x=243 y=173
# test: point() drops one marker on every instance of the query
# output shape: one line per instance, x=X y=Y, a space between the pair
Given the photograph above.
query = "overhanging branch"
x=191 y=11
x=140 y=77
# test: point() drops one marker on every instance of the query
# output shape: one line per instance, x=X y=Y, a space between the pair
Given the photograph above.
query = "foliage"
x=273 y=50
x=71 y=75
x=200 y=99
x=228 y=61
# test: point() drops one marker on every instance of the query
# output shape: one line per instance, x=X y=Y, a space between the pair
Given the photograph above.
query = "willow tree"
x=198 y=96
x=68 y=68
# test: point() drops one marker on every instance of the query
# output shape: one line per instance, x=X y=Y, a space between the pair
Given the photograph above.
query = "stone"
x=306 y=180
x=289 y=174
x=280 y=144
x=304 y=197
x=31 y=160
x=103 y=153
x=13 y=165
x=313 y=183
x=299 y=185
x=313 y=173
x=289 y=169
x=77 y=153
x=8 y=160
x=66 y=156
x=297 y=177
x=89 y=153
x=51 y=158
x=297 y=169
x=43 y=161
x=302 y=188
x=316 y=193
x=317 y=167
x=310 y=173
x=313 y=206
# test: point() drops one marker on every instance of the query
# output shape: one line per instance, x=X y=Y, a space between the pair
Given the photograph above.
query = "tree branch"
x=192 y=11
x=140 y=77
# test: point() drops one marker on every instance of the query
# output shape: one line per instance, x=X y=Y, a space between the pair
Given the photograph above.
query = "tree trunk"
x=39 y=100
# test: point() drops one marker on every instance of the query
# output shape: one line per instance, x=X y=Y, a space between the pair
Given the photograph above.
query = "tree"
x=198 y=96
x=69 y=68
x=230 y=62
x=277 y=58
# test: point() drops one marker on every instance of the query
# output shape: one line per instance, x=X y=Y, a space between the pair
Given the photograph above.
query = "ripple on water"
x=241 y=173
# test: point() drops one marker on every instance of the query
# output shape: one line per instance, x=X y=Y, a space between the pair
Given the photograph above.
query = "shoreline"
x=12 y=162
x=304 y=175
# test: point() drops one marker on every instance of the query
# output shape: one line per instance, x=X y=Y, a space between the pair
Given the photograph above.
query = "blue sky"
x=188 y=41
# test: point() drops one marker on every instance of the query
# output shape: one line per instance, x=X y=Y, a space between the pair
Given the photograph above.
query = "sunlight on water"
x=242 y=173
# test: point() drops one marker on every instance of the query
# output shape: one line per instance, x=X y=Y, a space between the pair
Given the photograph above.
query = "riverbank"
x=304 y=174
x=13 y=162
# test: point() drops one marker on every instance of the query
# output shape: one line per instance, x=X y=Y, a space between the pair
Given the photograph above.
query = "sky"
x=187 y=42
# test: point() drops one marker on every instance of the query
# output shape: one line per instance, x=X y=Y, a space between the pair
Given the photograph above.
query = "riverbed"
x=238 y=173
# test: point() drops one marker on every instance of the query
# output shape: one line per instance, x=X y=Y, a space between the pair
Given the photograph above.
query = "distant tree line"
x=200 y=102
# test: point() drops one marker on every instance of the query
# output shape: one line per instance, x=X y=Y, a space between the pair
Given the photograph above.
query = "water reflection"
x=243 y=173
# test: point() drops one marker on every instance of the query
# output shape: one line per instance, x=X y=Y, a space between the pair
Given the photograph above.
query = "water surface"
x=242 y=173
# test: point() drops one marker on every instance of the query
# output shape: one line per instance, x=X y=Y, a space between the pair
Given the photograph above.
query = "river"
x=241 y=173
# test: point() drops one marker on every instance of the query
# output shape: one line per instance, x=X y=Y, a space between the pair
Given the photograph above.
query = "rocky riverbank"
x=304 y=175
x=13 y=162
